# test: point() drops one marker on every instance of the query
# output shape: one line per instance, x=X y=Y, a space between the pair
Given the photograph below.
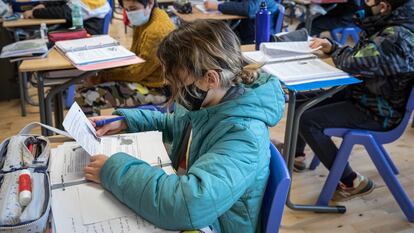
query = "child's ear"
x=385 y=7
x=213 y=78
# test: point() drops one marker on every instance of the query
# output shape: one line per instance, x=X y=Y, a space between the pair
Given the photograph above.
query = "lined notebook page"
x=99 y=55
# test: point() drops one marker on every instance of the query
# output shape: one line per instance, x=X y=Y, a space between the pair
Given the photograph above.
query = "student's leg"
x=337 y=115
x=340 y=16
x=300 y=164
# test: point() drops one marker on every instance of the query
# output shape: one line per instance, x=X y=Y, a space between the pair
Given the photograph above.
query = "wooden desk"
x=197 y=14
x=54 y=61
x=31 y=22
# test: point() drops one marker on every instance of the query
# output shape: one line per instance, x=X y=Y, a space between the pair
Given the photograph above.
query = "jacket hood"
x=403 y=16
x=263 y=100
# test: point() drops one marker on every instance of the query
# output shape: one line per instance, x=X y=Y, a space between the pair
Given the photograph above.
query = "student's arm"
x=386 y=55
x=54 y=12
x=235 y=8
x=213 y=184
x=137 y=72
x=145 y=120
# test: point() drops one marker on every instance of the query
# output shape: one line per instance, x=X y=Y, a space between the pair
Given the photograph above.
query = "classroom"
x=206 y=116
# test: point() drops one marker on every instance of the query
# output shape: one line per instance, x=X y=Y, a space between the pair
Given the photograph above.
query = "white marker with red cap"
x=25 y=187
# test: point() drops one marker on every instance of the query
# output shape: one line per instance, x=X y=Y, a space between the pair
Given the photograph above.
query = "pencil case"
x=31 y=152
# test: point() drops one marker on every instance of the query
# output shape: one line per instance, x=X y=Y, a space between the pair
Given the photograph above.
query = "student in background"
x=93 y=13
x=135 y=84
x=384 y=61
x=220 y=149
x=340 y=16
x=246 y=29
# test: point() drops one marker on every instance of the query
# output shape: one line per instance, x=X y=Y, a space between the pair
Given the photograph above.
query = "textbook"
x=97 y=52
x=294 y=63
x=25 y=49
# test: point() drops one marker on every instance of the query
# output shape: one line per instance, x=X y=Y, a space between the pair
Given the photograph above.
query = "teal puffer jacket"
x=228 y=163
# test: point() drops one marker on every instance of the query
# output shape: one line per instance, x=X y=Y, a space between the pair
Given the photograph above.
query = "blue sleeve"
x=212 y=185
x=235 y=8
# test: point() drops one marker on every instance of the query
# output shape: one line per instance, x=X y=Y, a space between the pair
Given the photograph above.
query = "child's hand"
x=325 y=45
x=111 y=128
x=93 y=169
x=211 y=5
x=40 y=6
x=28 y=14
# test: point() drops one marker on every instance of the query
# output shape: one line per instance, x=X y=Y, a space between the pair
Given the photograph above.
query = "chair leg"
x=315 y=163
x=391 y=180
x=335 y=172
x=389 y=160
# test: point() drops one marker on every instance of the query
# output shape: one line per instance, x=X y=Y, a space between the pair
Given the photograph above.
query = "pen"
x=103 y=122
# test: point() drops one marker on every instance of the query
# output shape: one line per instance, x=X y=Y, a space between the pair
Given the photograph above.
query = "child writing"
x=220 y=142
x=136 y=84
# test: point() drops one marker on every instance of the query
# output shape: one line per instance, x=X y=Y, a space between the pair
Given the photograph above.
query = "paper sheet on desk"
x=67 y=217
x=109 y=207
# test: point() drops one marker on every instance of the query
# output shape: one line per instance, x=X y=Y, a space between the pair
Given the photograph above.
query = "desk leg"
x=59 y=110
x=22 y=90
x=308 y=20
x=291 y=135
x=41 y=95
x=57 y=91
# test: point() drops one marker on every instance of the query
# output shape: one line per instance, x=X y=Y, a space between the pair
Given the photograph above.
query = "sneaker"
x=361 y=186
x=300 y=164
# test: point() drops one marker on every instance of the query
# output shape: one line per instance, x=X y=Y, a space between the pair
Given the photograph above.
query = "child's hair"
x=199 y=46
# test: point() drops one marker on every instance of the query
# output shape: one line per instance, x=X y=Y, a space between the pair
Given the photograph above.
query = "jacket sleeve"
x=235 y=8
x=384 y=55
x=54 y=12
x=140 y=71
x=211 y=187
x=145 y=120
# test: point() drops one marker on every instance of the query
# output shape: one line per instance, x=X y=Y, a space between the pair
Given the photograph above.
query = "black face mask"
x=193 y=100
x=368 y=10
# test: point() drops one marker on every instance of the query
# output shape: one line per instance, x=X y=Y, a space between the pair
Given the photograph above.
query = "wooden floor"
x=375 y=213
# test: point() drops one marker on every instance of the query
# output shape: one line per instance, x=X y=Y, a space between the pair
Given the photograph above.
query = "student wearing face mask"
x=136 y=84
x=219 y=135
x=384 y=60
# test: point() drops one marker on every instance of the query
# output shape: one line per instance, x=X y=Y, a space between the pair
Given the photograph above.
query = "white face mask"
x=138 y=17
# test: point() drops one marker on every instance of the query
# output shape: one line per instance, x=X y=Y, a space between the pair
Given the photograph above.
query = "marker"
x=103 y=122
x=25 y=187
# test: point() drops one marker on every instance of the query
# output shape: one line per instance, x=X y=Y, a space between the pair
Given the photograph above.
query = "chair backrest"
x=279 y=18
x=394 y=134
x=108 y=18
x=276 y=192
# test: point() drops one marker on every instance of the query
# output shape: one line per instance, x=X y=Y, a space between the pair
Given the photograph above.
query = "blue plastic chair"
x=345 y=33
x=108 y=18
x=279 y=18
x=276 y=192
x=373 y=142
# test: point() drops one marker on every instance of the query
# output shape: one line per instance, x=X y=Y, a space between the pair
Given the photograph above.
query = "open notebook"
x=98 y=52
x=81 y=206
x=294 y=63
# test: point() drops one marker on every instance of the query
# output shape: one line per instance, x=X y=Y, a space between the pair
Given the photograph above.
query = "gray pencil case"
x=17 y=154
